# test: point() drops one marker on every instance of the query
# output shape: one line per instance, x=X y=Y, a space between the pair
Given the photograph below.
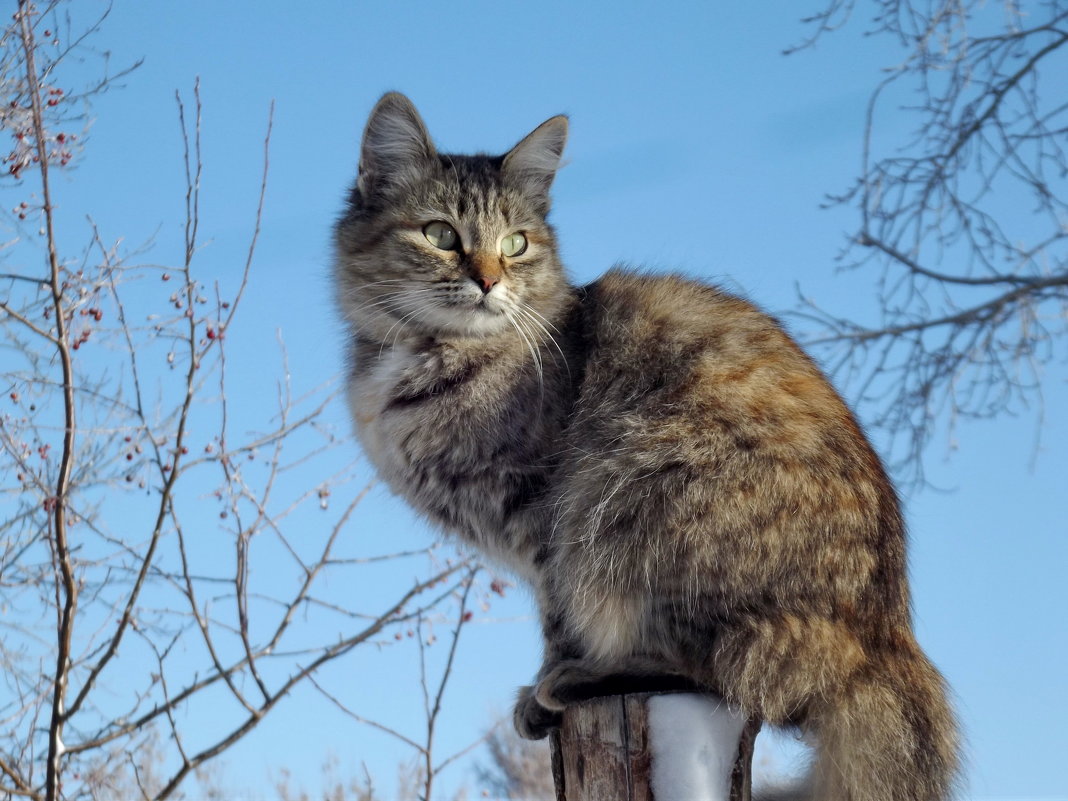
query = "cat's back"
x=699 y=424
x=671 y=358
x=669 y=332
x=637 y=313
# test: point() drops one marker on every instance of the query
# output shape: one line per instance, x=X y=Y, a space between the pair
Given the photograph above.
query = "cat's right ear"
x=534 y=161
x=396 y=145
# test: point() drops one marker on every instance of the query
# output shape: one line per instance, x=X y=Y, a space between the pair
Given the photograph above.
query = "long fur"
x=681 y=486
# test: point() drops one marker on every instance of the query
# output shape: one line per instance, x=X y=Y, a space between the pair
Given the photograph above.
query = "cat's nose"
x=486 y=282
x=485 y=270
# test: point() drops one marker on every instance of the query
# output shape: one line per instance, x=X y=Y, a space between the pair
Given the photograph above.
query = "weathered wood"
x=595 y=751
x=557 y=757
x=602 y=752
x=639 y=754
x=742 y=774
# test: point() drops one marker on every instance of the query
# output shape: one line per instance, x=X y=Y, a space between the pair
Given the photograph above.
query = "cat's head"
x=448 y=246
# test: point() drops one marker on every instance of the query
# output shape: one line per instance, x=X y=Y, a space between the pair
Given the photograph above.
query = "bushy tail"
x=890 y=736
x=878 y=715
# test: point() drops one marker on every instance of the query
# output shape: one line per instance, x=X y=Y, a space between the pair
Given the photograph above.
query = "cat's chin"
x=473 y=322
x=478 y=323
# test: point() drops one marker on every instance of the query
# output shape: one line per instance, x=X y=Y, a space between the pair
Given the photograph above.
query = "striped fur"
x=684 y=490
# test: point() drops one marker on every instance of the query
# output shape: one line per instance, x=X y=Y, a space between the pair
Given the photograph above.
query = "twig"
x=434 y=710
x=340 y=648
x=64 y=566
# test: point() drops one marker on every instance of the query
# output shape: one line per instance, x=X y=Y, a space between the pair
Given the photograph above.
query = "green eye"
x=513 y=245
x=441 y=235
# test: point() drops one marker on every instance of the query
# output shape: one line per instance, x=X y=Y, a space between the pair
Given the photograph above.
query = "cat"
x=682 y=488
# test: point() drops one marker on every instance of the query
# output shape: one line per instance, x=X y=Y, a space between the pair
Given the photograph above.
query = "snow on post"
x=653 y=747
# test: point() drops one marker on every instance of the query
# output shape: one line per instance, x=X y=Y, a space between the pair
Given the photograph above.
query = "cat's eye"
x=441 y=235
x=513 y=245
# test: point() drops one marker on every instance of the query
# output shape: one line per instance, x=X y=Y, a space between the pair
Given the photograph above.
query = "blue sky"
x=695 y=145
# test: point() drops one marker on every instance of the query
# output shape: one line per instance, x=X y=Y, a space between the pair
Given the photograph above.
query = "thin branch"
x=867 y=240
x=64 y=566
x=391 y=615
x=366 y=721
x=329 y=654
x=21 y=787
x=30 y=324
x=435 y=710
x=979 y=313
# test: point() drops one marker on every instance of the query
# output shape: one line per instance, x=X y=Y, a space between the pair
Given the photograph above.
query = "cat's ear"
x=396 y=145
x=534 y=161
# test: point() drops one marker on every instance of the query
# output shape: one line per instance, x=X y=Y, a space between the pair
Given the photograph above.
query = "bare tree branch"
x=972 y=281
x=137 y=523
x=66 y=586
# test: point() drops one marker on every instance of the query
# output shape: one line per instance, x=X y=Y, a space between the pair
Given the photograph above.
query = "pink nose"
x=487 y=282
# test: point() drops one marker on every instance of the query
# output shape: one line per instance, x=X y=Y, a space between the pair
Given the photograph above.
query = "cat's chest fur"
x=439 y=427
x=369 y=394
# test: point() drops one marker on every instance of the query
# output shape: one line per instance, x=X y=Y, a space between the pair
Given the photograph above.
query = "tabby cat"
x=680 y=485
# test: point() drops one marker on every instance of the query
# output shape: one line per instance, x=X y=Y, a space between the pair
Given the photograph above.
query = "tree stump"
x=653 y=747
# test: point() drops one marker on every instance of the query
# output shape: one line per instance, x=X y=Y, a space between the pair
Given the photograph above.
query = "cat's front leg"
x=538 y=708
x=568 y=681
x=533 y=721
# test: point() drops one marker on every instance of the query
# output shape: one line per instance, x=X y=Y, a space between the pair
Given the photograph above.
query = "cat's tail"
x=877 y=713
x=890 y=735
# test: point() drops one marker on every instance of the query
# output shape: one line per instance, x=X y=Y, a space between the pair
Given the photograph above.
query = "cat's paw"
x=532 y=720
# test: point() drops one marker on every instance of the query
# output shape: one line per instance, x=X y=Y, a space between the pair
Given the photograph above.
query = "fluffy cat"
x=681 y=486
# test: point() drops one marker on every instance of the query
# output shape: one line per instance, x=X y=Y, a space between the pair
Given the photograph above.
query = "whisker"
x=537 y=314
x=526 y=310
x=529 y=340
x=388 y=297
x=399 y=326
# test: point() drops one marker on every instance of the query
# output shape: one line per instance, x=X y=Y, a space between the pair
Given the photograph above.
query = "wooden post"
x=653 y=747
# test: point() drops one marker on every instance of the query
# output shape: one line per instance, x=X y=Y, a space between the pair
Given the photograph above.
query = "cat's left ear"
x=396 y=146
x=534 y=161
